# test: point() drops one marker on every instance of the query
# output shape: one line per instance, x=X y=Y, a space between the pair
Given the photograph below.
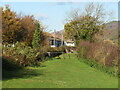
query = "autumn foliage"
x=11 y=26
x=102 y=52
x=28 y=26
x=18 y=28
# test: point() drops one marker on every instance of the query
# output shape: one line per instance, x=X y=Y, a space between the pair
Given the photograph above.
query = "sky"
x=53 y=14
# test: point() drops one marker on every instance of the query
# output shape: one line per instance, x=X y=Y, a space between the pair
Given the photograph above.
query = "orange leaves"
x=16 y=28
x=10 y=26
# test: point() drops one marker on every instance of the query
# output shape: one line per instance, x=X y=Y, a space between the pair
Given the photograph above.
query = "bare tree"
x=86 y=23
x=94 y=10
x=74 y=14
x=89 y=8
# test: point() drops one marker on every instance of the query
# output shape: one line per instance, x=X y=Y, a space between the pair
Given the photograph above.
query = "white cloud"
x=64 y=3
x=41 y=16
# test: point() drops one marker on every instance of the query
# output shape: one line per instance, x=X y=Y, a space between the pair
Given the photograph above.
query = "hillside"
x=110 y=32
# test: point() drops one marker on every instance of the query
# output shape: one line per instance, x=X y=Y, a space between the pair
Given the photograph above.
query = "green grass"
x=60 y=73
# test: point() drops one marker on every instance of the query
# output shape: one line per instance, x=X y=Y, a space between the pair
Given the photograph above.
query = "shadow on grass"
x=11 y=70
x=22 y=73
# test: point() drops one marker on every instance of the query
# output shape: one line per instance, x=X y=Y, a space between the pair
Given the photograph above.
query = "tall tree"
x=82 y=29
x=10 y=26
x=84 y=25
x=36 y=37
x=28 y=26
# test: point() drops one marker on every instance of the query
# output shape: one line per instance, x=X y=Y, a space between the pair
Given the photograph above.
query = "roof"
x=58 y=38
x=53 y=35
x=70 y=41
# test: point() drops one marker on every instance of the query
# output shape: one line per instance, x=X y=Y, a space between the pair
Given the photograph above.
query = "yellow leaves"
x=10 y=25
x=11 y=20
x=17 y=22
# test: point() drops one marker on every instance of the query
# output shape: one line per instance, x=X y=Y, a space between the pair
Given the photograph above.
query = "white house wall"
x=69 y=44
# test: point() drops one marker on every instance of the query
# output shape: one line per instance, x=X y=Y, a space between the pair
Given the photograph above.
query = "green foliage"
x=24 y=55
x=36 y=37
x=83 y=29
x=92 y=63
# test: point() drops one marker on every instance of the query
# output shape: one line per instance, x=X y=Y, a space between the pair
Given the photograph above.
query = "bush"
x=102 y=55
x=9 y=64
x=54 y=51
x=92 y=63
x=24 y=55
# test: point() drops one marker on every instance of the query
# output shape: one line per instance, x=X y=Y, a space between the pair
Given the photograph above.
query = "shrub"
x=92 y=63
x=102 y=55
x=36 y=38
x=27 y=56
x=24 y=55
x=55 y=51
x=9 y=64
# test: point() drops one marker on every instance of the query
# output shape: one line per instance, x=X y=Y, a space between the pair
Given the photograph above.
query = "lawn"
x=60 y=73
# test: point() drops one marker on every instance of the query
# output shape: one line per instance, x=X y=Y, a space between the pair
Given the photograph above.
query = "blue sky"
x=52 y=14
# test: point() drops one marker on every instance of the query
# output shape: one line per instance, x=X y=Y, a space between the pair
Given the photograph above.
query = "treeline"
x=18 y=28
x=24 y=41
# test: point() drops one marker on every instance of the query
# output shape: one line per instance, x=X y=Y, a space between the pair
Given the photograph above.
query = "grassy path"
x=60 y=73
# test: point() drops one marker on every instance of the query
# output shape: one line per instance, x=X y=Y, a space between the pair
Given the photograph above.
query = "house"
x=56 y=41
x=69 y=43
